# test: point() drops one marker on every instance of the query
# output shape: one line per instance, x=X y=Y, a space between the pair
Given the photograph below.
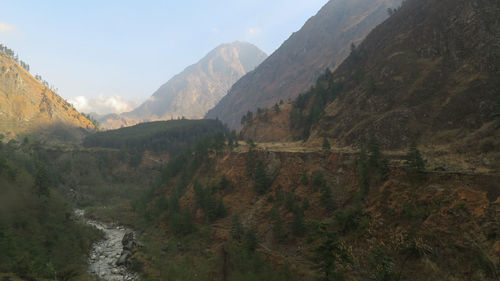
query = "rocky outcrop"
x=129 y=245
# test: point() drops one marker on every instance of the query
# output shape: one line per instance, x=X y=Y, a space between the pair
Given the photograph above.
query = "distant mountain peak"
x=200 y=86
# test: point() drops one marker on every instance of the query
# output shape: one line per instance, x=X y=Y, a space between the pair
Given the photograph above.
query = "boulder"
x=128 y=241
x=124 y=258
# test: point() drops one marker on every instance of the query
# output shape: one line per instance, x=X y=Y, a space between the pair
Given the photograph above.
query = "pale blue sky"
x=129 y=48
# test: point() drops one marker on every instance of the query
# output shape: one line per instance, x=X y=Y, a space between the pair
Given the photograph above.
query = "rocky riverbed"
x=109 y=257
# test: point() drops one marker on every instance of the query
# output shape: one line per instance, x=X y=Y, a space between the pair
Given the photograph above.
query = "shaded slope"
x=324 y=41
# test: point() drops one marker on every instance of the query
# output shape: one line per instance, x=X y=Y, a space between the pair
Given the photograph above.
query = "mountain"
x=113 y=121
x=323 y=42
x=200 y=86
x=428 y=73
x=28 y=106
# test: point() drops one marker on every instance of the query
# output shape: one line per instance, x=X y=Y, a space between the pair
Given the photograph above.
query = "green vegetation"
x=382 y=267
x=12 y=55
x=373 y=167
x=304 y=179
x=330 y=254
x=205 y=198
x=496 y=112
x=415 y=164
x=262 y=181
x=39 y=236
x=174 y=136
x=92 y=120
x=276 y=108
x=247 y=118
x=326 y=145
x=309 y=107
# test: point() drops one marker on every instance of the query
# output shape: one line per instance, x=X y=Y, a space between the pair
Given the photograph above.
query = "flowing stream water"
x=105 y=254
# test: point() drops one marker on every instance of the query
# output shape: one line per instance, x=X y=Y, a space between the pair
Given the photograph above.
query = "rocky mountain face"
x=28 y=106
x=199 y=87
x=323 y=42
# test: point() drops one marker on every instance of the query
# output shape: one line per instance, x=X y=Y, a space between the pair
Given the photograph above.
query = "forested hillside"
x=172 y=136
x=39 y=235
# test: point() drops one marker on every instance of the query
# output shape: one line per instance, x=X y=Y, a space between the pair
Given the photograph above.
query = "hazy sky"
x=106 y=51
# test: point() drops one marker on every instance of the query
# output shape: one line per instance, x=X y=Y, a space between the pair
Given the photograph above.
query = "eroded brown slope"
x=443 y=228
x=324 y=41
x=26 y=105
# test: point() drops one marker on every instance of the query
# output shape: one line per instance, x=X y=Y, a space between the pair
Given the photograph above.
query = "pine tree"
x=415 y=164
x=262 y=182
x=250 y=241
x=363 y=171
x=329 y=255
x=326 y=144
x=42 y=182
x=374 y=152
x=276 y=108
x=496 y=113
x=304 y=179
x=237 y=229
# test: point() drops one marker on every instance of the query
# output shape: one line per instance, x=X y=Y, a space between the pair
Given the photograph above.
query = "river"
x=105 y=254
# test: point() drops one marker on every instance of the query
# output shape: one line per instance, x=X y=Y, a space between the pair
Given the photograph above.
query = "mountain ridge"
x=323 y=42
x=28 y=106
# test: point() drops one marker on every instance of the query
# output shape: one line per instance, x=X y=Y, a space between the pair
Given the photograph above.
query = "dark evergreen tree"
x=415 y=164
x=250 y=241
x=237 y=230
x=326 y=144
x=329 y=255
x=262 y=182
x=298 y=226
x=363 y=172
x=42 y=182
x=496 y=112
x=304 y=179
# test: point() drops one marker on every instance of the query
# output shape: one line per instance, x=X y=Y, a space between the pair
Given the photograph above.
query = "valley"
x=366 y=147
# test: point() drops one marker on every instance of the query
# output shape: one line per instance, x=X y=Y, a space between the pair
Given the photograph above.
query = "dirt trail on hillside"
x=439 y=159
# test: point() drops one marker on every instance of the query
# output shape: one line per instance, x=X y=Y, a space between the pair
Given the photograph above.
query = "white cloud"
x=253 y=31
x=214 y=30
x=102 y=104
x=5 y=27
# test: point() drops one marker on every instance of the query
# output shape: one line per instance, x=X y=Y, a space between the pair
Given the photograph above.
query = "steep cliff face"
x=26 y=105
x=200 y=86
x=324 y=41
